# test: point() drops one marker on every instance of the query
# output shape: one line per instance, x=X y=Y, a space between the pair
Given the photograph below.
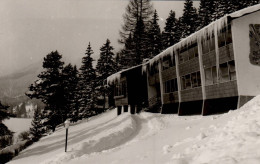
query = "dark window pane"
x=214 y=74
x=221 y=40
x=224 y=75
x=194 y=80
x=191 y=53
x=205 y=47
x=232 y=70
x=198 y=79
x=212 y=44
x=196 y=53
x=208 y=77
x=183 y=86
x=187 y=81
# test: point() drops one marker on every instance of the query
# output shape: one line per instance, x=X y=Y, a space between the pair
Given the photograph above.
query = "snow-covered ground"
x=18 y=125
x=233 y=137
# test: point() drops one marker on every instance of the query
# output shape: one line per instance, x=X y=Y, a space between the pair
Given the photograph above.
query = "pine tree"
x=154 y=37
x=37 y=128
x=188 y=21
x=70 y=84
x=5 y=134
x=87 y=84
x=207 y=12
x=49 y=88
x=221 y=8
x=136 y=19
x=126 y=54
x=170 y=30
x=106 y=65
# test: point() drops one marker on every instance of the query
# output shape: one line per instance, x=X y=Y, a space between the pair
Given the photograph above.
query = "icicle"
x=113 y=78
x=198 y=36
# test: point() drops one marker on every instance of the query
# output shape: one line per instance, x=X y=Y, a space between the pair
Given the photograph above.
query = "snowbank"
x=123 y=128
x=236 y=142
x=146 y=138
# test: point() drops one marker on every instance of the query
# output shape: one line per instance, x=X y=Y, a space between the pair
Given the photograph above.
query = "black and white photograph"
x=130 y=81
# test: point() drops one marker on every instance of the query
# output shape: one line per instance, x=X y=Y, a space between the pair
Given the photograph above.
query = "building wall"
x=248 y=75
x=227 y=89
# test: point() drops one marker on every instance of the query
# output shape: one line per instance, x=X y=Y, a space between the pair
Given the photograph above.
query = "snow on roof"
x=202 y=34
x=116 y=76
x=205 y=32
x=245 y=11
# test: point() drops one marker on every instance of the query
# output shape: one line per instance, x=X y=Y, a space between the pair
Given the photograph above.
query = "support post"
x=119 y=110
x=125 y=108
x=66 y=140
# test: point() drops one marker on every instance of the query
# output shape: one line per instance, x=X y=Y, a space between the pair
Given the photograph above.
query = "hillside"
x=154 y=138
x=15 y=85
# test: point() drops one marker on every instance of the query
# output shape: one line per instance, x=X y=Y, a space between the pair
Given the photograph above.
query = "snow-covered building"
x=130 y=89
x=213 y=70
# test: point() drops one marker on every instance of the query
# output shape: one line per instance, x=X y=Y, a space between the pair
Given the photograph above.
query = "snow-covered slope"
x=233 y=137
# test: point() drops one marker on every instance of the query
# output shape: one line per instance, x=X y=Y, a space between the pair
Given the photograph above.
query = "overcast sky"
x=30 y=29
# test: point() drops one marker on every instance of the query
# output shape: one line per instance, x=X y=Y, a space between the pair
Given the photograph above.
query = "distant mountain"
x=14 y=86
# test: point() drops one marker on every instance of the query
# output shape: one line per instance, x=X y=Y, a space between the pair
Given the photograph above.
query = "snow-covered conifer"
x=188 y=21
x=170 y=30
x=87 y=84
x=49 y=88
x=154 y=37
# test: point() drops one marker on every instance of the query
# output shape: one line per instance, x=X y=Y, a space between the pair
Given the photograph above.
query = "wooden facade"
x=204 y=73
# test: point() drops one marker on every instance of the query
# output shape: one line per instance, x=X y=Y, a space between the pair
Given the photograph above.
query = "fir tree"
x=126 y=54
x=49 y=88
x=170 y=30
x=87 y=84
x=106 y=65
x=188 y=21
x=154 y=37
x=222 y=8
x=136 y=19
x=70 y=84
x=5 y=134
x=37 y=128
x=207 y=12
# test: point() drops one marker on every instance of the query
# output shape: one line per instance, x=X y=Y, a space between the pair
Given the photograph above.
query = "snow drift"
x=233 y=137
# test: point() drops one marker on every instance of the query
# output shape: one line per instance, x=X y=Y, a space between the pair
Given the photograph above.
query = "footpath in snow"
x=233 y=137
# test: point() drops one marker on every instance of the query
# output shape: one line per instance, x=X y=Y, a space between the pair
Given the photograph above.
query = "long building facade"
x=213 y=70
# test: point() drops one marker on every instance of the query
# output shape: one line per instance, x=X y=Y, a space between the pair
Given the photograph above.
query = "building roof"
x=202 y=34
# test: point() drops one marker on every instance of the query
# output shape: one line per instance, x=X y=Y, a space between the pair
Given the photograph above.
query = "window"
x=229 y=37
x=225 y=36
x=212 y=44
x=154 y=69
x=208 y=77
x=120 y=89
x=192 y=80
x=224 y=73
x=187 y=82
x=168 y=61
x=183 y=83
x=184 y=55
x=198 y=79
x=170 y=86
x=191 y=53
x=124 y=86
x=214 y=75
x=227 y=72
x=205 y=47
x=196 y=53
x=232 y=70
